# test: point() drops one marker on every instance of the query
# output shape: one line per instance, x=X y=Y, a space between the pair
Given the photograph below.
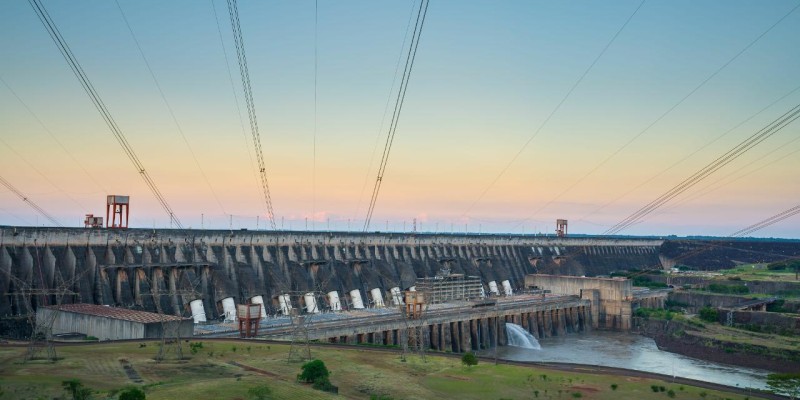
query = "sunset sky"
x=487 y=75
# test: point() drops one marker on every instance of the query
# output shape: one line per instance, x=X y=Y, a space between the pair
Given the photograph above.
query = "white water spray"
x=519 y=337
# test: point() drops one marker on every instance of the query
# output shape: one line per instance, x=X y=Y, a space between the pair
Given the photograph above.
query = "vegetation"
x=133 y=393
x=469 y=359
x=260 y=392
x=785 y=384
x=316 y=373
x=75 y=388
x=728 y=289
x=312 y=371
x=195 y=347
x=709 y=314
x=656 y=313
x=360 y=374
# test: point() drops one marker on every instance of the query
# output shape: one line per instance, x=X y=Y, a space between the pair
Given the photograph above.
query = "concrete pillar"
x=447 y=339
x=484 y=333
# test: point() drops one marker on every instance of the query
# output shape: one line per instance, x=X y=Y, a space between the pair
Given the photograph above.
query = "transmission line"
x=233 y=12
x=678 y=162
x=29 y=202
x=169 y=108
x=767 y=222
x=398 y=107
x=314 y=155
x=554 y=111
x=76 y=68
x=709 y=169
x=52 y=136
x=385 y=111
x=668 y=111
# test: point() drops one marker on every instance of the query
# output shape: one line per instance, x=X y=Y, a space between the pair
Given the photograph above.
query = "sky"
x=510 y=119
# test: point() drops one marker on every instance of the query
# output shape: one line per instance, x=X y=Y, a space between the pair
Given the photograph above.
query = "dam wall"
x=167 y=269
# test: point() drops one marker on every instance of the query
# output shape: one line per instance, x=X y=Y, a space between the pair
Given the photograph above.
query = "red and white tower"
x=117 y=206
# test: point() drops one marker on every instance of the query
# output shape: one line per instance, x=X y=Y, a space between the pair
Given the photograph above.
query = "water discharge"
x=519 y=337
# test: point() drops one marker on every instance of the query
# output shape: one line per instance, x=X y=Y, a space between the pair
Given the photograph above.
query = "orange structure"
x=249 y=319
x=117 y=206
x=414 y=304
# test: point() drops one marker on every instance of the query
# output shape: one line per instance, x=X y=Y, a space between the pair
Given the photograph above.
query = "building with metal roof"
x=112 y=323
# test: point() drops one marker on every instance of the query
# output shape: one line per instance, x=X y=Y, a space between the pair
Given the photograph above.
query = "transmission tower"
x=300 y=347
x=170 y=340
x=415 y=337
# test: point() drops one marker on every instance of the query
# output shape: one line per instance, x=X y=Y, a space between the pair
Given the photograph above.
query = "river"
x=631 y=351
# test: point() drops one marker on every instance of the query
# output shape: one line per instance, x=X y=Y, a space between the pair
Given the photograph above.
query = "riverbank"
x=716 y=343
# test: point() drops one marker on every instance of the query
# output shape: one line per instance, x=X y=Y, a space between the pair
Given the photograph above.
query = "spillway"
x=134 y=268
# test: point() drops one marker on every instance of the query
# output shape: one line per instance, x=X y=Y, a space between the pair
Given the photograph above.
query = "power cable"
x=83 y=79
x=554 y=111
x=30 y=202
x=314 y=155
x=385 y=112
x=678 y=162
x=233 y=12
x=52 y=136
x=401 y=94
x=235 y=97
x=667 y=112
x=767 y=222
x=169 y=108
x=703 y=173
x=33 y=167
x=708 y=188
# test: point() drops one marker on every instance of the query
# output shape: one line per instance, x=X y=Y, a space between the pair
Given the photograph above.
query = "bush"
x=654 y=388
x=76 y=389
x=671 y=394
x=261 y=392
x=614 y=386
x=709 y=314
x=194 y=347
x=728 y=289
x=469 y=359
x=325 y=385
x=312 y=371
x=133 y=393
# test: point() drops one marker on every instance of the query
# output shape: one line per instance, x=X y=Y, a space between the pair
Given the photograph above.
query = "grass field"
x=359 y=374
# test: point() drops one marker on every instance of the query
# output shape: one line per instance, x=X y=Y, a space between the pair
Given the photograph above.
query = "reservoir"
x=631 y=351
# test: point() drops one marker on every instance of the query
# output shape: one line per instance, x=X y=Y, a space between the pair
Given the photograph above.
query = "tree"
x=312 y=371
x=133 y=393
x=469 y=359
x=786 y=384
x=76 y=389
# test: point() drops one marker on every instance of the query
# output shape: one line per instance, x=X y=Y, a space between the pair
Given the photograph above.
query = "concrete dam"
x=135 y=268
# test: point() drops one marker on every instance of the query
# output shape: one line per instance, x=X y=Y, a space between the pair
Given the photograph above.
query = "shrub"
x=469 y=359
x=709 y=314
x=728 y=289
x=194 y=347
x=671 y=394
x=133 y=393
x=261 y=392
x=76 y=389
x=313 y=370
x=577 y=395
x=654 y=388
x=322 y=383
x=614 y=386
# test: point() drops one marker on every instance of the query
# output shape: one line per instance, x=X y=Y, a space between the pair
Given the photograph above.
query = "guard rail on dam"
x=135 y=267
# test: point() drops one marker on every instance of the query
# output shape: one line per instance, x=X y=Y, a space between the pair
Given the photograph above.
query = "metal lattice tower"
x=415 y=337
